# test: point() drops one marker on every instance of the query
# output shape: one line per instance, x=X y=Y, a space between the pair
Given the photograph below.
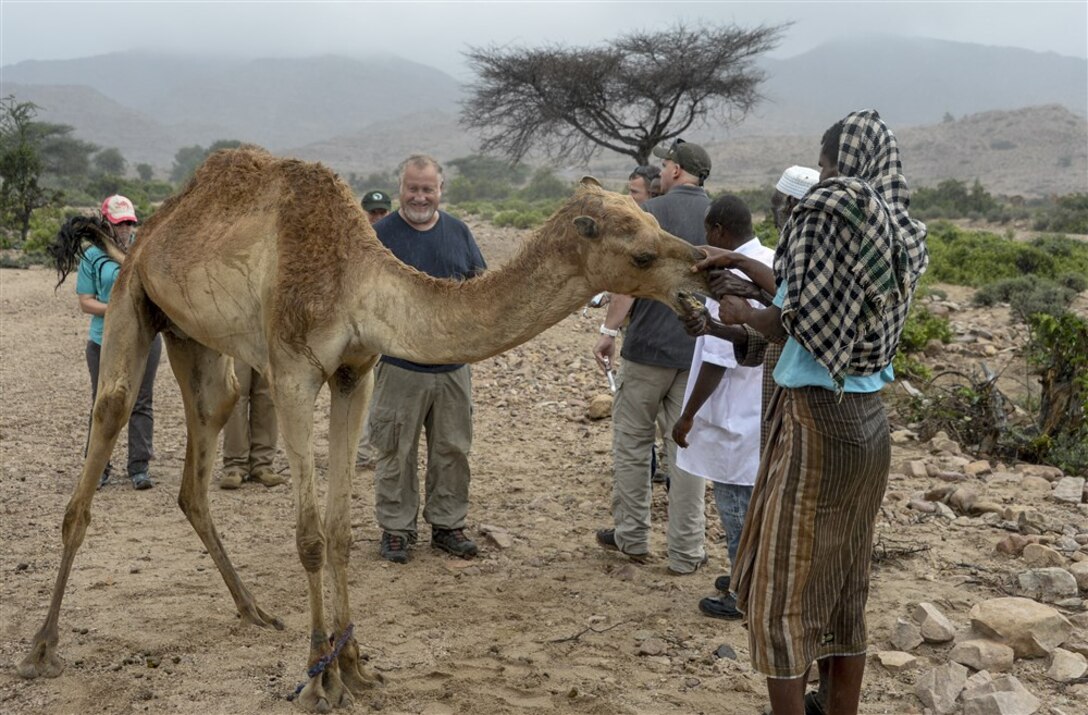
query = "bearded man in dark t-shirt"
x=410 y=397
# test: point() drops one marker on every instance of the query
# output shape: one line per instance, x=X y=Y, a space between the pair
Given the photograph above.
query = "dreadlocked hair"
x=68 y=246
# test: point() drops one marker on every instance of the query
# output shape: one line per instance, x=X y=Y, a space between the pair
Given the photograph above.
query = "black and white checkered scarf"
x=851 y=256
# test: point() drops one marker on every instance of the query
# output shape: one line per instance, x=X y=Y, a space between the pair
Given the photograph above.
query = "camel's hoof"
x=259 y=617
x=42 y=660
x=357 y=677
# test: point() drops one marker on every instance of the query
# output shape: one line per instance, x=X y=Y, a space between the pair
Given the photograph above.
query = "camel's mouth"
x=688 y=305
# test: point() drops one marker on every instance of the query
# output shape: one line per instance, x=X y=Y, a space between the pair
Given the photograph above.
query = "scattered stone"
x=652 y=646
x=1012 y=545
x=896 y=661
x=1051 y=474
x=939 y=688
x=983 y=654
x=975 y=469
x=1031 y=629
x=1066 y=544
x=1035 y=484
x=920 y=504
x=1080 y=574
x=1066 y=665
x=1069 y=490
x=944 y=511
x=600 y=407
x=1048 y=585
x=978 y=679
x=917 y=468
x=902 y=436
x=498 y=535
x=725 y=651
x=907 y=636
x=1000 y=696
x=1042 y=556
x=936 y=628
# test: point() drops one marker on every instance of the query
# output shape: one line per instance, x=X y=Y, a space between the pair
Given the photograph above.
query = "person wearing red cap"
x=97 y=271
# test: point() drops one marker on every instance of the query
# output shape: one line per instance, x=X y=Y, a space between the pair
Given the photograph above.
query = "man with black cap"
x=377 y=205
x=657 y=357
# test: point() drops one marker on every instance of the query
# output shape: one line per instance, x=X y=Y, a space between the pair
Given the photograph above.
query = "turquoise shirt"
x=97 y=272
x=797 y=367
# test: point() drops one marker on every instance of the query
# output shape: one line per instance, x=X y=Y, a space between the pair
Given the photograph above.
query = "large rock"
x=1069 y=490
x=1042 y=556
x=1000 y=696
x=983 y=654
x=895 y=661
x=907 y=635
x=1066 y=665
x=600 y=407
x=1031 y=629
x=939 y=688
x=936 y=628
x=1049 y=585
x=1080 y=574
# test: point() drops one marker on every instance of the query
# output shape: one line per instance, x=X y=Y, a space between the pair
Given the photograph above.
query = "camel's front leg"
x=294 y=390
x=350 y=390
x=208 y=391
x=125 y=348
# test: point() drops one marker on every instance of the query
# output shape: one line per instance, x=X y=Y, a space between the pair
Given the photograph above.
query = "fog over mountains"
x=363 y=115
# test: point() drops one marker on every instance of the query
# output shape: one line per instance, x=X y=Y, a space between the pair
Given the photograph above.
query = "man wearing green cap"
x=377 y=205
x=657 y=356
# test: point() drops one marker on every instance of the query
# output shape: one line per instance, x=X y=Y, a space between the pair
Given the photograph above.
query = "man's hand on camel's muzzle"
x=724 y=282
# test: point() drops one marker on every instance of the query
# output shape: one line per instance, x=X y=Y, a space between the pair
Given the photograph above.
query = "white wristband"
x=605 y=330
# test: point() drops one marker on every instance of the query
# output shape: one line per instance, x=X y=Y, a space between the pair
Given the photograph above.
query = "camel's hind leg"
x=208 y=390
x=350 y=390
x=125 y=346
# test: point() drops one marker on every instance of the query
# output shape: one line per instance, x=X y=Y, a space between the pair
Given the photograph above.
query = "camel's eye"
x=643 y=260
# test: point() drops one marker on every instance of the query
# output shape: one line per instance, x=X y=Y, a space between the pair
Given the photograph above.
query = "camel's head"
x=624 y=250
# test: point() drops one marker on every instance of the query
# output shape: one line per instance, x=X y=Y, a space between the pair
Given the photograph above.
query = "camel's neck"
x=429 y=321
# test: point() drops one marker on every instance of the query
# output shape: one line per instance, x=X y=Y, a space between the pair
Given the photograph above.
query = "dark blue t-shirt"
x=446 y=250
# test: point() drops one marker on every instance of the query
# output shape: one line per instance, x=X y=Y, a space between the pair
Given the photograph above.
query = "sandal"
x=142 y=480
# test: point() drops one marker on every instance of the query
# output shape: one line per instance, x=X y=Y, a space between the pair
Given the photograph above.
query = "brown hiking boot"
x=268 y=478
x=231 y=480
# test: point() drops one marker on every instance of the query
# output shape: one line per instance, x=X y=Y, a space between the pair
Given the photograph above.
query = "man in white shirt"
x=718 y=429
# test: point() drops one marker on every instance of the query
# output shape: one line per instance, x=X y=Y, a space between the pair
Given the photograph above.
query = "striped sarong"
x=802 y=577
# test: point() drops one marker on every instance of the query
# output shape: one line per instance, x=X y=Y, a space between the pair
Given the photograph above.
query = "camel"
x=272 y=262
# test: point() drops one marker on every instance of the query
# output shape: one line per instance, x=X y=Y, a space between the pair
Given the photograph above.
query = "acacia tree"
x=629 y=95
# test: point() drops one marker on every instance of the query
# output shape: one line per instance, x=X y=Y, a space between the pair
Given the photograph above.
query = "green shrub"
x=976 y=258
x=1068 y=214
x=921 y=327
x=1027 y=295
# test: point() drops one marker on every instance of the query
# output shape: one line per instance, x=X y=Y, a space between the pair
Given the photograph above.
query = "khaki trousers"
x=643 y=392
x=249 y=437
x=405 y=404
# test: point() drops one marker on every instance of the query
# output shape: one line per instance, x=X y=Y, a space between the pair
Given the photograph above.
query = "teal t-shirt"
x=97 y=272
x=797 y=367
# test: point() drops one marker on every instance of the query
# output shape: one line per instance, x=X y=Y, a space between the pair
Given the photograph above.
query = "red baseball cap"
x=117 y=208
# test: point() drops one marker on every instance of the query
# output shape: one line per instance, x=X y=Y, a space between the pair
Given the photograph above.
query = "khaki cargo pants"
x=249 y=437
x=405 y=404
x=644 y=391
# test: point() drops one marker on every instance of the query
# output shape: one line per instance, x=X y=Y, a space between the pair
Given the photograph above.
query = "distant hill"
x=363 y=115
x=276 y=103
x=1034 y=151
x=913 y=81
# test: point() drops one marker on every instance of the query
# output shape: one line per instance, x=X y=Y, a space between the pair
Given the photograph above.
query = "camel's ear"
x=586 y=226
x=590 y=181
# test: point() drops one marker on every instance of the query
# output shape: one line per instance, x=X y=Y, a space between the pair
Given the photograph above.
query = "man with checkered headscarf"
x=845 y=270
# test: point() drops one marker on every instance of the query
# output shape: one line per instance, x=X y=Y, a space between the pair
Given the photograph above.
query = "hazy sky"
x=436 y=32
